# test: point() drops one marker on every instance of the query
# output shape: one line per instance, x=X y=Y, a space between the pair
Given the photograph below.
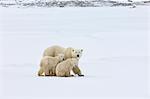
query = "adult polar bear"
x=68 y=53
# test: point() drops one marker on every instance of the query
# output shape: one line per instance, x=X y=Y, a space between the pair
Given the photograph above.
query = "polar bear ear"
x=81 y=50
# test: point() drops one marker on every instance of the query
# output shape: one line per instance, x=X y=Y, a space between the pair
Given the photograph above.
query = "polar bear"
x=63 y=69
x=68 y=53
x=48 y=65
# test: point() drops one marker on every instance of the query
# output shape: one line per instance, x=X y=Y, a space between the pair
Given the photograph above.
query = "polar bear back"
x=54 y=51
x=68 y=52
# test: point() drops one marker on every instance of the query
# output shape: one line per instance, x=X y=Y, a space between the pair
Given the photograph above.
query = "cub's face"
x=74 y=62
x=76 y=53
x=61 y=57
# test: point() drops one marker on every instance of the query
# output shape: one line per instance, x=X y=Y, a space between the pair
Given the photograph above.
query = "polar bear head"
x=60 y=57
x=76 y=53
x=74 y=62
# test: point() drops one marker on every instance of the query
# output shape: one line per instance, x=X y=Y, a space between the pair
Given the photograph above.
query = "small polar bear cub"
x=63 y=69
x=48 y=65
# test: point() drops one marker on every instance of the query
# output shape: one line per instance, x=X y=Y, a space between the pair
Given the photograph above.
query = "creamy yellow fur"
x=68 y=52
x=63 y=69
x=48 y=65
x=54 y=51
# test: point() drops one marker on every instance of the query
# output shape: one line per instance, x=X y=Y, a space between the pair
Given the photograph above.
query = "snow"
x=114 y=61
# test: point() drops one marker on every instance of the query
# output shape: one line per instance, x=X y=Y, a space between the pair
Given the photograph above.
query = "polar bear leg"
x=50 y=72
x=40 y=72
x=60 y=73
x=54 y=72
x=47 y=72
x=67 y=74
x=77 y=71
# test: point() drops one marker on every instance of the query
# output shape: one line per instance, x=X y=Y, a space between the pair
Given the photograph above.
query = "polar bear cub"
x=63 y=69
x=48 y=65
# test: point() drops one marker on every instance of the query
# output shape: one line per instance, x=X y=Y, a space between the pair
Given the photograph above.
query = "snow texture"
x=115 y=57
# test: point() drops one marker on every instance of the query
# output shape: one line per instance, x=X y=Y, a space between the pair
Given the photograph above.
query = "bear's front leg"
x=67 y=74
x=77 y=71
x=50 y=72
x=54 y=71
x=47 y=72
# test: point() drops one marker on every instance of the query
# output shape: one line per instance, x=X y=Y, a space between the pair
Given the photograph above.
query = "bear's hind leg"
x=67 y=74
x=40 y=72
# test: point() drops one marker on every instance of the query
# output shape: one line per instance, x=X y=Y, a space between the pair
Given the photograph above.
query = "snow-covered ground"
x=115 y=58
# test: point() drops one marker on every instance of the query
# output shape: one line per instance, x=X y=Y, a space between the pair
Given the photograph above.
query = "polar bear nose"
x=77 y=55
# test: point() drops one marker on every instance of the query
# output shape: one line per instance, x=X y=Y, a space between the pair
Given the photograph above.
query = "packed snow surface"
x=114 y=61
